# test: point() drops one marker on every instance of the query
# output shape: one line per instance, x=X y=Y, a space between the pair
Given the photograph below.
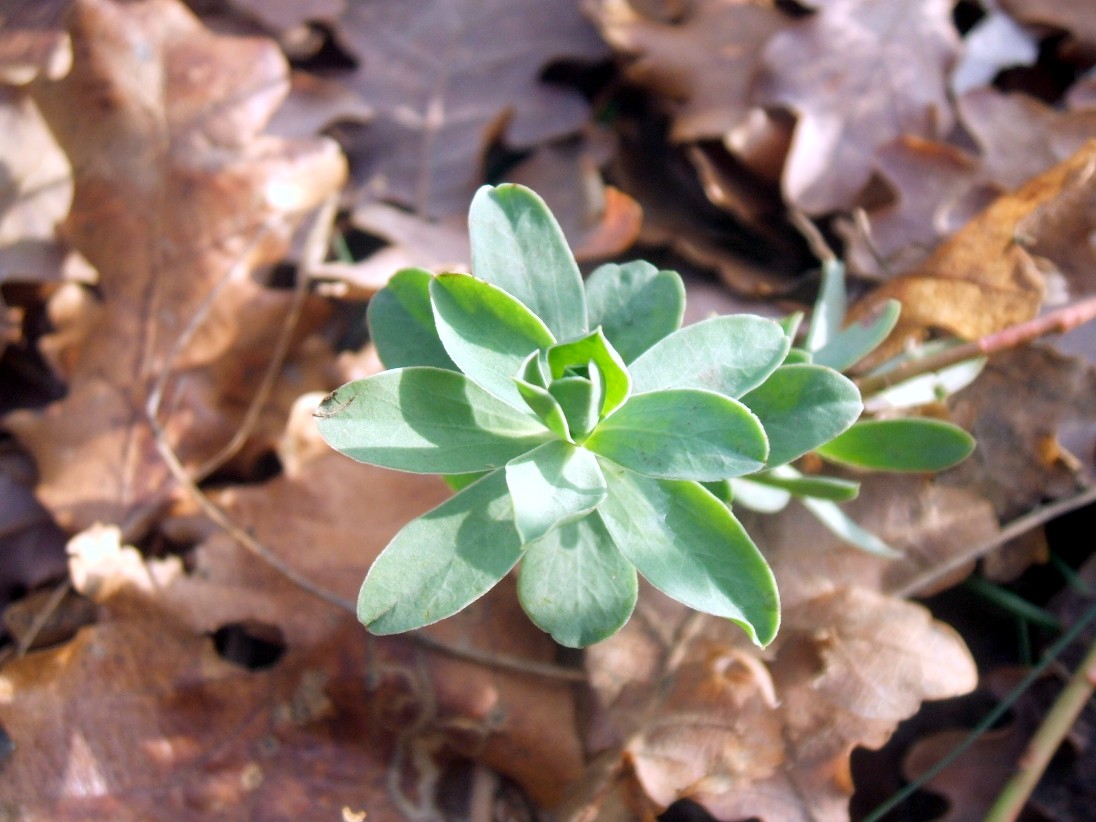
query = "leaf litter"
x=161 y=274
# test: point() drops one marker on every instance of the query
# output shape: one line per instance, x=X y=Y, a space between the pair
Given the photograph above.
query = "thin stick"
x=315 y=248
x=1056 y=322
x=1042 y=747
x=43 y=617
x=1019 y=526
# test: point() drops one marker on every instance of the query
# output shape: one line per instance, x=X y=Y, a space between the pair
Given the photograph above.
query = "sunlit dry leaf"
x=447 y=76
x=769 y=736
x=858 y=74
x=1017 y=409
x=177 y=193
x=1020 y=136
x=702 y=64
x=139 y=719
x=35 y=191
x=33 y=41
x=936 y=190
x=984 y=278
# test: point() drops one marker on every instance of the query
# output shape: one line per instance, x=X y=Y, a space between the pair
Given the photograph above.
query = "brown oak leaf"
x=178 y=195
x=858 y=74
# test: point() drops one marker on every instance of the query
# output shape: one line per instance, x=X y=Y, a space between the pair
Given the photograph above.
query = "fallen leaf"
x=994 y=43
x=281 y=15
x=177 y=194
x=984 y=278
x=937 y=188
x=1019 y=461
x=446 y=77
x=35 y=191
x=33 y=41
x=768 y=736
x=1021 y=137
x=702 y=63
x=858 y=74
x=1072 y=16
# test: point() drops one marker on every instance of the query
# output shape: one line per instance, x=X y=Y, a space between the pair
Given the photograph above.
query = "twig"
x=1056 y=322
x=43 y=617
x=1019 y=526
x=315 y=248
x=1042 y=747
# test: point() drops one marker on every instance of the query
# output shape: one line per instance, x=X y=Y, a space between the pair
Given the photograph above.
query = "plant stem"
x=1067 y=707
x=1055 y=322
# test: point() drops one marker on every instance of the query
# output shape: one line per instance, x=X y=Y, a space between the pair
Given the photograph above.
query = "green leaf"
x=900 y=445
x=730 y=355
x=791 y=324
x=594 y=347
x=551 y=485
x=636 y=305
x=518 y=245
x=401 y=322
x=545 y=406
x=580 y=398
x=687 y=544
x=576 y=585
x=458 y=482
x=853 y=343
x=927 y=388
x=442 y=561
x=486 y=331
x=845 y=527
x=829 y=488
x=426 y=420
x=802 y=407
x=829 y=308
x=682 y=434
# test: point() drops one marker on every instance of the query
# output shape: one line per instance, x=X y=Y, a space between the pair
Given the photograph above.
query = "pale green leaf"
x=834 y=489
x=683 y=434
x=576 y=585
x=518 y=245
x=729 y=355
x=401 y=322
x=910 y=444
x=845 y=527
x=802 y=407
x=487 y=332
x=551 y=485
x=852 y=343
x=636 y=305
x=689 y=545
x=758 y=497
x=829 y=307
x=581 y=399
x=426 y=420
x=442 y=561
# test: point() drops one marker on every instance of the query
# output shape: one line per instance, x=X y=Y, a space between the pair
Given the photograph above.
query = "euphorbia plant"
x=587 y=434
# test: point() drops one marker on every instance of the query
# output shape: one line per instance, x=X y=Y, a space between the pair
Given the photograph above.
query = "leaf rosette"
x=588 y=436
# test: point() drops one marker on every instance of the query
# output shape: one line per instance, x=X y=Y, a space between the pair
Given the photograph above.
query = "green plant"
x=587 y=434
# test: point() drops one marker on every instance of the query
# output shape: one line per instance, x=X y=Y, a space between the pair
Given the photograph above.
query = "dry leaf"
x=35 y=191
x=859 y=74
x=937 y=188
x=177 y=194
x=1072 y=16
x=984 y=278
x=703 y=63
x=33 y=42
x=1017 y=409
x=1021 y=137
x=447 y=76
x=768 y=736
